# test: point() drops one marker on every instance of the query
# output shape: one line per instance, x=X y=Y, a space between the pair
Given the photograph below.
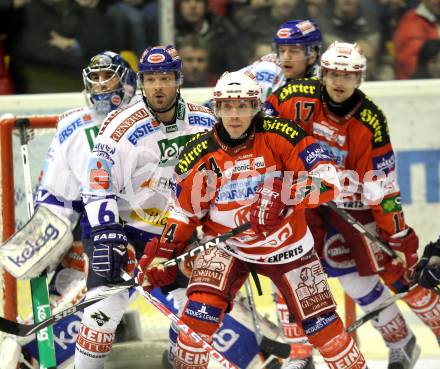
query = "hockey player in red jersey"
x=354 y=132
x=268 y=170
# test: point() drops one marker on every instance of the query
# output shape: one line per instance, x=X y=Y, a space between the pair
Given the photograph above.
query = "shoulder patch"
x=306 y=87
x=374 y=119
x=196 y=148
x=283 y=127
x=71 y=121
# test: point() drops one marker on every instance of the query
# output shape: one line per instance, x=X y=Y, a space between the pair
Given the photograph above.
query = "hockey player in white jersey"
x=127 y=187
x=109 y=84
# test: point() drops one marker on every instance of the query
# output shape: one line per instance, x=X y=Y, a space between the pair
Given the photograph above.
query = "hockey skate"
x=293 y=363
x=405 y=357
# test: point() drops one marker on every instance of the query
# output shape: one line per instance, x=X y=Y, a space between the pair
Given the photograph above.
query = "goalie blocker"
x=42 y=242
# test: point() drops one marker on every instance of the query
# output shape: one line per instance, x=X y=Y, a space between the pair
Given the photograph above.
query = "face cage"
x=255 y=108
x=104 y=102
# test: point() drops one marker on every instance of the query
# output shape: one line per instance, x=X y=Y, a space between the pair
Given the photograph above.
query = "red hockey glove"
x=406 y=248
x=265 y=212
x=151 y=271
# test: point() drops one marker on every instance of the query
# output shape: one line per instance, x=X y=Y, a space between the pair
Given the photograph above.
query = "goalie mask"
x=109 y=82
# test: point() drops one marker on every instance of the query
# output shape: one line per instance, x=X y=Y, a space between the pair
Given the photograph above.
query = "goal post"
x=8 y=295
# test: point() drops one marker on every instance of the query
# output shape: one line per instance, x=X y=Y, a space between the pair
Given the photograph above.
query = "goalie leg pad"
x=97 y=329
x=42 y=242
x=369 y=292
x=425 y=304
x=336 y=346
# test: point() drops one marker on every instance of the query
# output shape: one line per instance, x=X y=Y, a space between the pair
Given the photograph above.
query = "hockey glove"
x=427 y=272
x=110 y=254
x=151 y=271
x=405 y=247
x=265 y=212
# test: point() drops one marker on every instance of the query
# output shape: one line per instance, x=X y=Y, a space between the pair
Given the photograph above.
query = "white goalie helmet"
x=237 y=86
x=344 y=57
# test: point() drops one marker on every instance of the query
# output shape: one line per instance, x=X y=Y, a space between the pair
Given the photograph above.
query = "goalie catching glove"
x=110 y=254
x=151 y=271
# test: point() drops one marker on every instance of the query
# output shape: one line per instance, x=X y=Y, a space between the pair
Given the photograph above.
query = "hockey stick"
x=267 y=345
x=39 y=288
x=207 y=245
x=361 y=229
x=372 y=314
x=181 y=326
x=23 y=330
x=19 y=329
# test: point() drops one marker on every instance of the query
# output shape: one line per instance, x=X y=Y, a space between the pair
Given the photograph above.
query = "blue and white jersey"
x=269 y=74
x=130 y=169
x=66 y=162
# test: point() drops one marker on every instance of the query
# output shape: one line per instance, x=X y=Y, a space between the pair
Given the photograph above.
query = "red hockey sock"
x=426 y=305
x=293 y=333
x=337 y=347
x=190 y=354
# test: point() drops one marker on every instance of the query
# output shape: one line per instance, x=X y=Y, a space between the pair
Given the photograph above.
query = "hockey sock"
x=179 y=300
x=369 y=292
x=339 y=350
x=292 y=332
x=97 y=330
x=203 y=313
x=426 y=305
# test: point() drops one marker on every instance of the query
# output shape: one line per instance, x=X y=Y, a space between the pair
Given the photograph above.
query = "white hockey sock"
x=369 y=292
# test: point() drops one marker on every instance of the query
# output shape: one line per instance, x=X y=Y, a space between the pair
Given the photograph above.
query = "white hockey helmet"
x=237 y=86
x=344 y=57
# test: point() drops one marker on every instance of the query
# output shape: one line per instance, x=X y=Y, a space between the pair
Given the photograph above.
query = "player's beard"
x=162 y=105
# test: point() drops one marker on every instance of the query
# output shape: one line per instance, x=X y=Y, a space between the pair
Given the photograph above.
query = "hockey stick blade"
x=23 y=330
x=275 y=348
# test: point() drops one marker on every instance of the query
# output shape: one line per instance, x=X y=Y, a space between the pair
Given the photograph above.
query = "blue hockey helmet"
x=161 y=59
x=109 y=82
x=299 y=32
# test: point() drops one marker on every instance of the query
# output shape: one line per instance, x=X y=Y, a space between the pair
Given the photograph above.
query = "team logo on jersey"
x=99 y=178
x=170 y=149
x=100 y=318
x=391 y=204
x=312 y=155
x=385 y=163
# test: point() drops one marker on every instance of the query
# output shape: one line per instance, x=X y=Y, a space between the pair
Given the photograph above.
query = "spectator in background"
x=193 y=17
x=261 y=48
x=259 y=20
x=57 y=39
x=195 y=61
x=315 y=8
x=143 y=23
x=428 y=60
x=376 y=70
x=9 y=20
x=414 y=29
x=346 y=21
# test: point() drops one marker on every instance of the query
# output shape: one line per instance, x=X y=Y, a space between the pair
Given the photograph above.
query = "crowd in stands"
x=45 y=43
